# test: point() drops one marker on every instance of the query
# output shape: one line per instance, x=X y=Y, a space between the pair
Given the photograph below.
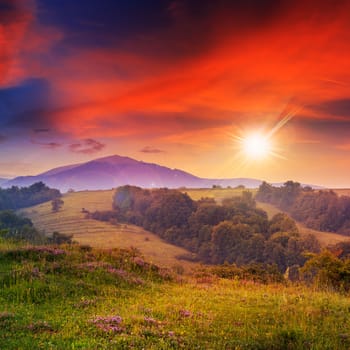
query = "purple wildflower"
x=185 y=313
x=139 y=261
x=108 y=324
x=150 y=320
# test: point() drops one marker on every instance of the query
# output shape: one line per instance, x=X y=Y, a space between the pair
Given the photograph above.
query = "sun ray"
x=259 y=145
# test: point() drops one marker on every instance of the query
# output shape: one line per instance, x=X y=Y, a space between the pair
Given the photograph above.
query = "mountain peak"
x=113 y=171
x=115 y=159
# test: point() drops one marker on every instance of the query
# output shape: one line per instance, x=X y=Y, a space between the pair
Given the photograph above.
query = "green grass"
x=67 y=301
x=50 y=300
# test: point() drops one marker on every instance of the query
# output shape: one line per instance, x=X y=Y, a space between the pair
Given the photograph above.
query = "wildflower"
x=85 y=302
x=40 y=326
x=139 y=261
x=35 y=272
x=119 y=272
x=48 y=250
x=150 y=320
x=185 y=313
x=108 y=324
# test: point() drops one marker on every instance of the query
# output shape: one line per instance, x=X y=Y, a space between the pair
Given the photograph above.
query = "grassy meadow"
x=76 y=298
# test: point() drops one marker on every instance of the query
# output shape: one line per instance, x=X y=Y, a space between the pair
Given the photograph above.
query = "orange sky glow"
x=176 y=84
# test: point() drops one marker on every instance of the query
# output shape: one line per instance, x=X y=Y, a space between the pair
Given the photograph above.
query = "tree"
x=282 y=223
x=15 y=197
x=60 y=238
x=326 y=270
x=226 y=241
x=57 y=204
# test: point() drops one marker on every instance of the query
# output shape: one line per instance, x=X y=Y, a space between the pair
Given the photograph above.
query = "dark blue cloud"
x=176 y=28
x=104 y=23
x=23 y=105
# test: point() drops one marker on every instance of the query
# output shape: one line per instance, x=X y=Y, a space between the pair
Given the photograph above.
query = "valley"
x=71 y=220
x=103 y=294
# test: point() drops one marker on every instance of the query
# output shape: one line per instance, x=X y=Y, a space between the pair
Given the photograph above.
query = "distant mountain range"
x=2 y=180
x=114 y=171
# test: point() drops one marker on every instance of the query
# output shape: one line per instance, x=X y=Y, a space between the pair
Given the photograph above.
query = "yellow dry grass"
x=71 y=220
x=342 y=191
x=217 y=193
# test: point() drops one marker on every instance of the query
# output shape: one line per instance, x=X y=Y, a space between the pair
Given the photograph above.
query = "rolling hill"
x=114 y=171
x=71 y=220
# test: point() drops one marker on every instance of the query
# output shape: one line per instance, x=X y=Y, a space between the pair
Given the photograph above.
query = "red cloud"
x=22 y=39
x=14 y=23
x=230 y=68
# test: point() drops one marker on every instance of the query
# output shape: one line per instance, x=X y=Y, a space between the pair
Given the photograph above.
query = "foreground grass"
x=76 y=298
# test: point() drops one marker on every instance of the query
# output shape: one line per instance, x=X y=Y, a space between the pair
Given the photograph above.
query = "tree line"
x=322 y=210
x=16 y=227
x=21 y=197
x=235 y=231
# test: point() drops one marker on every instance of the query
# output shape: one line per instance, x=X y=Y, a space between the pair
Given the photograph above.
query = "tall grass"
x=83 y=298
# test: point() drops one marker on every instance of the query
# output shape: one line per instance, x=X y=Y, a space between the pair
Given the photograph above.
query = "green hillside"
x=71 y=220
x=77 y=298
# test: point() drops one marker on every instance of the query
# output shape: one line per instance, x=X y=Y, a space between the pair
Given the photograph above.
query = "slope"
x=71 y=220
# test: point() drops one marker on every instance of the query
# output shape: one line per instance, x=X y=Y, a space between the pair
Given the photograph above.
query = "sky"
x=178 y=83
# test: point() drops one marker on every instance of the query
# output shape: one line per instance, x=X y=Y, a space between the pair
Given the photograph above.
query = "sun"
x=256 y=146
x=261 y=144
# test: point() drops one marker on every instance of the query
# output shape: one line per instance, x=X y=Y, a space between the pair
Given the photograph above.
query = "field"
x=325 y=238
x=71 y=220
x=73 y=298
x=342 y=191
x=217 y=193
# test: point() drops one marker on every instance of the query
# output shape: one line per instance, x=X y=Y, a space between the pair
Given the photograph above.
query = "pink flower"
x=108 y=324
x=185 y=313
